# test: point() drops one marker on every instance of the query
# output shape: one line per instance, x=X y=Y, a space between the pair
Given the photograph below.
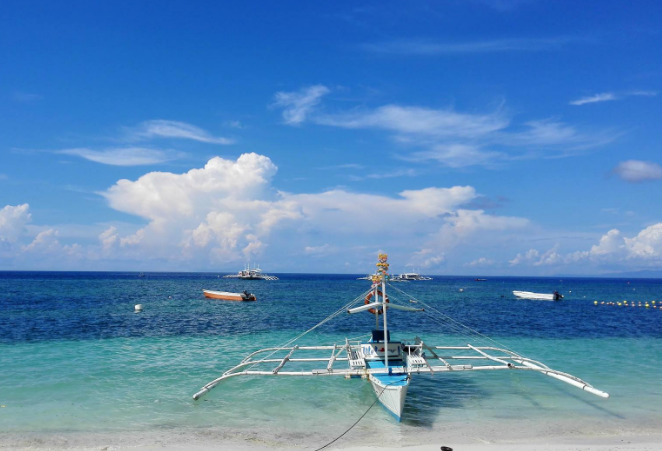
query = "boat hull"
x=536 y=296
x=226 y=296
x=391 y=393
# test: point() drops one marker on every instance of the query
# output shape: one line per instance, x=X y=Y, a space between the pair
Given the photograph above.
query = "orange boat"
x=227 y=296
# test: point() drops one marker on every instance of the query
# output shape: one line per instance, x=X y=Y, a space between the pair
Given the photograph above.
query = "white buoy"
x=139 y=308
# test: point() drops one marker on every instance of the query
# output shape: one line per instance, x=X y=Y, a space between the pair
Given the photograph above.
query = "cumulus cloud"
x=481 y=262
x=527 y=256
x=223 y=205
x=426 y=258
x=160 y=128
x=228 y=211
x=614 y=250
x=46 y=243
x=124 y=156
x=638 y=171
x=297 y=105
x=13 y=220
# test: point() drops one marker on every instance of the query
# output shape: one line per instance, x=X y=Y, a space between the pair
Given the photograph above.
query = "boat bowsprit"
x=555 y=296
x=227 y=296
x=389 y=365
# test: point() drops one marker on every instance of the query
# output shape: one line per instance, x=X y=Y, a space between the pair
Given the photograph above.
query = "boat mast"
x=382 y=266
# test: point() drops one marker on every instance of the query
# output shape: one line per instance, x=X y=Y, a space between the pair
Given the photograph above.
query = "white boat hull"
x=534 y=296
x=391 y=396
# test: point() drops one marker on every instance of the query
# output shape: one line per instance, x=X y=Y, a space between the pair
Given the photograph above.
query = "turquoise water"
x=74 y=357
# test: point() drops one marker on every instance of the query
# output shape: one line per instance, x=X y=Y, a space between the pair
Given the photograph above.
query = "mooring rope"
x=357 y=421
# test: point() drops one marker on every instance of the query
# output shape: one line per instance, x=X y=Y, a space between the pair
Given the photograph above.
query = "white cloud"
x=228 y=210
x=13 y=220
x=481 y=262
x=638 y=171
x=126 y=156
x=608 y=96
x=320 y=251
x=109 y=238
x=419 y=47
x=643 y=93
x=528 y=256
x=297 y=105
x=46 y=243
x=614 y=251
x=456 y=155
x=426 y=258
x=603 y=97
x=160 y=128
x=457 y=139
x=419 y=121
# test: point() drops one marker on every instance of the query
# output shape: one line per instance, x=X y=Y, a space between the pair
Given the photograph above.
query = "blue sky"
x=461 y=137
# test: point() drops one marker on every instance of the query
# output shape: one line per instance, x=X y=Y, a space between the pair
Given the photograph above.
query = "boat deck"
x=398 y=377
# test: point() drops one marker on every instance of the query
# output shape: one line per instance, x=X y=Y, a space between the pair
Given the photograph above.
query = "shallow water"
x=74 y=357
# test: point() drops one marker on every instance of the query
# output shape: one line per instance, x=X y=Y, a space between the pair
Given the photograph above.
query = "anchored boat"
x=387 y=364
x=249 y=273
x=555 y=296
x=227 y=296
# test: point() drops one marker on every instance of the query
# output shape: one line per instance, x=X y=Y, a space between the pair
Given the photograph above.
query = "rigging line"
x=485 y=337
x=454 y=329
x=449 y=325
x=325 y=320
x=357 y=421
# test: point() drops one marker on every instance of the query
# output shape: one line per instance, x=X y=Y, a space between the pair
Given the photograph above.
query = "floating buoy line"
x=644 y=304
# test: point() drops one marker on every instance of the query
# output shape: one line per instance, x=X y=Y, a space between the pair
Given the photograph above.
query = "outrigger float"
x=390 y=365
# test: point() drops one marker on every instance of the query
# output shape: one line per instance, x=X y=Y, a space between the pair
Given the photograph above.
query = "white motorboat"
x=555 y=296
x=387 y=364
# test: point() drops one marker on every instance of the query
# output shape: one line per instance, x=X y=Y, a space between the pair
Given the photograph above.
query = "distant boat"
x=481 y=280
x=250 y=274
x=390 y=278
x=555 y=296
x=411 y=276
x=227 y=296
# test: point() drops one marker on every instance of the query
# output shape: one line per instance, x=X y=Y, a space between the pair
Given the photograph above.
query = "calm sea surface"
x=74 y=357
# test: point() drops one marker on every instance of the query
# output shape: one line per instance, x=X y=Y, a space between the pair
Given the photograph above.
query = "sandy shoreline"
x=465 y=439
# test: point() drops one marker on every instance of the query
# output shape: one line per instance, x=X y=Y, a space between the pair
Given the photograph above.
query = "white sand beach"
x=514 y=438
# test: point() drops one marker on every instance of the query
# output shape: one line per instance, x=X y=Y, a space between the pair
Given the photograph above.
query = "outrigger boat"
x=249 y=273
x=390 y=365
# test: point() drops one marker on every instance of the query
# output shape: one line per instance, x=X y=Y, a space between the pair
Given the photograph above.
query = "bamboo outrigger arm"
x=508 y=361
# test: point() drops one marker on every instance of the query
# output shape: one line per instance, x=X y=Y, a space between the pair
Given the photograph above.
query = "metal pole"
x=376 y=310
x=385 y=326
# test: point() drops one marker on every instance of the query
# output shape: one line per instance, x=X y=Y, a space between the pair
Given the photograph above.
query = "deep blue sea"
x=74 y=357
